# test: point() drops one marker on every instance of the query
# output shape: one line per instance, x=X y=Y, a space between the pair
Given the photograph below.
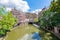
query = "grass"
x=20 y=31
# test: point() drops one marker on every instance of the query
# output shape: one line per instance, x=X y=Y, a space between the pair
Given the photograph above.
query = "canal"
x=29 y=32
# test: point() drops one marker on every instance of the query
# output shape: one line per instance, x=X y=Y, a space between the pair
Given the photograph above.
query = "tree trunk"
x=55 y=30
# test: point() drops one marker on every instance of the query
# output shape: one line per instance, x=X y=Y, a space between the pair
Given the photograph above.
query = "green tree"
x=2 y=11
x=7 y=22
x=50 y=17
x=55 y=7
x=45 y=19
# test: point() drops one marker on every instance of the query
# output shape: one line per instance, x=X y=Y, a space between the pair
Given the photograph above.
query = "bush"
x=7 y=22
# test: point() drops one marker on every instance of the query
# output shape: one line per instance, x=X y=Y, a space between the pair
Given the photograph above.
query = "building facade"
x=31 y=16
x=19 y=15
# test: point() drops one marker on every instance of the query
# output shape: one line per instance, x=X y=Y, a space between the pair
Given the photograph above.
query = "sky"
x=18 y=4
x=38 y=4
x=25 y=5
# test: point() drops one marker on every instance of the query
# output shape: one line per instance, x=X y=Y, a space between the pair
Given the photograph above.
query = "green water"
x=47 y=35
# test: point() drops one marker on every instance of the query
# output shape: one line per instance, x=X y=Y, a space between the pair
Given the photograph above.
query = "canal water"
x=36 y=36
x=33 y=36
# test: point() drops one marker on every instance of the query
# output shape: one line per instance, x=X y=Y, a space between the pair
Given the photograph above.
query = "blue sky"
x=25 y=5
x=38 y=4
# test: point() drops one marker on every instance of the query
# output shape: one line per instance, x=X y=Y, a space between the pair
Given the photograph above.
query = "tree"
x=55 y=7
x=2 y=11
x=50 y=17
x=6 y=22
x=45 y=19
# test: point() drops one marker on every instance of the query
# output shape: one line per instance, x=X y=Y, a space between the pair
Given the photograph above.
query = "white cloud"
x=36 y=11
x=8 y=9
x=18 y=4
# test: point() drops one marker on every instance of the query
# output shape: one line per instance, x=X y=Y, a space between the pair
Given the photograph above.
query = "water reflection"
x=33 y=36
x=36 y=36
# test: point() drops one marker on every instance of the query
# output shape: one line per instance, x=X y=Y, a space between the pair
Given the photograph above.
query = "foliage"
x=47 y=36
x=2 y=11
x=56 y=19
x=55 y=7
x=2 y=32
x=7 y=22
x=45 y=19
x=50 y=17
